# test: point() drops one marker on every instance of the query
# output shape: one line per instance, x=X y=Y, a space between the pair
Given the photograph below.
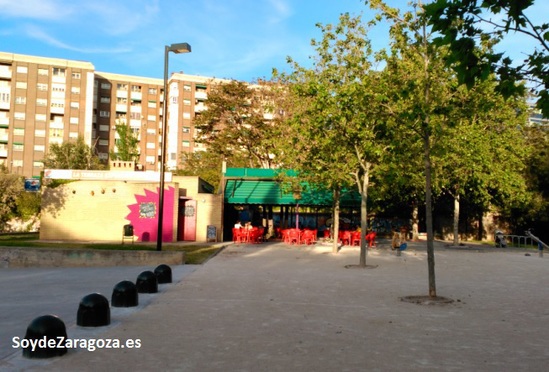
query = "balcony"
x=5 y=72
x=201 y=95
x=136 y=96
x=56 y=125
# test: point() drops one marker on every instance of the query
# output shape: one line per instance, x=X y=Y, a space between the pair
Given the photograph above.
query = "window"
x=40 y=148
x=187 y=88
x=43 y=71
x=103 y=142
x=150 y=145
x=151 y=117
x=104 y=114
x=20 y=100
x=58 y=71
x=18 y=147
x=75 y=105
x=40 y=133
x=57 y=104
x=40 y=117
x=76 y=75
x=136 y=88
x=106 y=86
x=103 y=128
x=186 y=115
x=38 y=164
x=73 y=120
x=17 y=163
x=153 y=90
x=105 y=99
x=75 y=90
x=152 y=104
x=41 y=102
x=42 y=87
x=22 y=69
x=21 y=85
x=186 y=144
x=121 y=86
x=73 y=135
x=18 y=131
x=58 y=88
x=56 y=132
x=19 y=116
x=187 y=102
x=186 y=130
x=4 y=97
x=121 y=100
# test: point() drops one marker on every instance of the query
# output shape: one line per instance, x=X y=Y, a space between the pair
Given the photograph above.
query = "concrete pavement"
x=273 y=307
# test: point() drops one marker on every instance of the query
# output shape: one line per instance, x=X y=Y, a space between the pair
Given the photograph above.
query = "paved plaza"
x=274 y=307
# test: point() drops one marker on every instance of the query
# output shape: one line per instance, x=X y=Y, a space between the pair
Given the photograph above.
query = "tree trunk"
x=364 y=217
x=480 y=231
x=456 y=220
x=335 y=236
x=415 y=223
x=429 y=217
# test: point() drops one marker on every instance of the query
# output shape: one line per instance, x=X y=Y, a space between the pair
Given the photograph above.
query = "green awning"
x=258 y=186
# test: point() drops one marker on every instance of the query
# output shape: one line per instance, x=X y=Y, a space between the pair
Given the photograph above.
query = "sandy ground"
x=273 y=307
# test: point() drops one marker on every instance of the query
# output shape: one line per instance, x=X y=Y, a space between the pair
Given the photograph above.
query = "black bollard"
x=163 y=274
x=46 y=330
x=94 y=311
x=124 y=294
x=147 y=282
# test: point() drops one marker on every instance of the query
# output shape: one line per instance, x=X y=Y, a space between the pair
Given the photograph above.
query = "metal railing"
x=520 y=241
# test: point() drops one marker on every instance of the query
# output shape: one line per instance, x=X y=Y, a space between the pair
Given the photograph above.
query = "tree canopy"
x=126 y=144
x=237 y=122
x=72 y=155
x=466 y=25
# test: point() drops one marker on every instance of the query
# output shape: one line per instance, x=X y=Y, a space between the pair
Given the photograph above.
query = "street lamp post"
x=176 y=48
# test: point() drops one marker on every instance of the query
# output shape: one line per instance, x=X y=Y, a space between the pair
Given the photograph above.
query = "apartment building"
x=42 y=101
x=48 y=100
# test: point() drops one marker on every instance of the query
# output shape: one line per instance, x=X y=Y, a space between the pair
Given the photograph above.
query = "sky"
x=231 y=39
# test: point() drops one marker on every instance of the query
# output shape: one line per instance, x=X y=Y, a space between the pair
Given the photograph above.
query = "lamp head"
x=180 y=48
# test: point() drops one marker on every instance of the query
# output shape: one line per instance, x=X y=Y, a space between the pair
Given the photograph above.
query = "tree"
x=72 y=155
x=482 y=154
x=416 y=86
x=207 y=165
x=11 y=186
x=126 y=144
x=464 y=24
x=335 y=128
x=237 y=122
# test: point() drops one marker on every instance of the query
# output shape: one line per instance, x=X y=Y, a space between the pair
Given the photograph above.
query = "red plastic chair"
x=345 y=237
x=294 y=236
x=308 y=237
x=371 y=239
x=355 y=238
x=238 y=236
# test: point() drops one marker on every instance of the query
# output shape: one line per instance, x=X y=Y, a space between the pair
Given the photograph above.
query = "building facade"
x=48 y=100
x=42 y=101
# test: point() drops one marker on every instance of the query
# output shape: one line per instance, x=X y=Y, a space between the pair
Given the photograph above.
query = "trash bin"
x=127 y=233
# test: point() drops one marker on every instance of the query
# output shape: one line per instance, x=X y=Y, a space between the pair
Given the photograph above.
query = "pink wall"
x=144 y=215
